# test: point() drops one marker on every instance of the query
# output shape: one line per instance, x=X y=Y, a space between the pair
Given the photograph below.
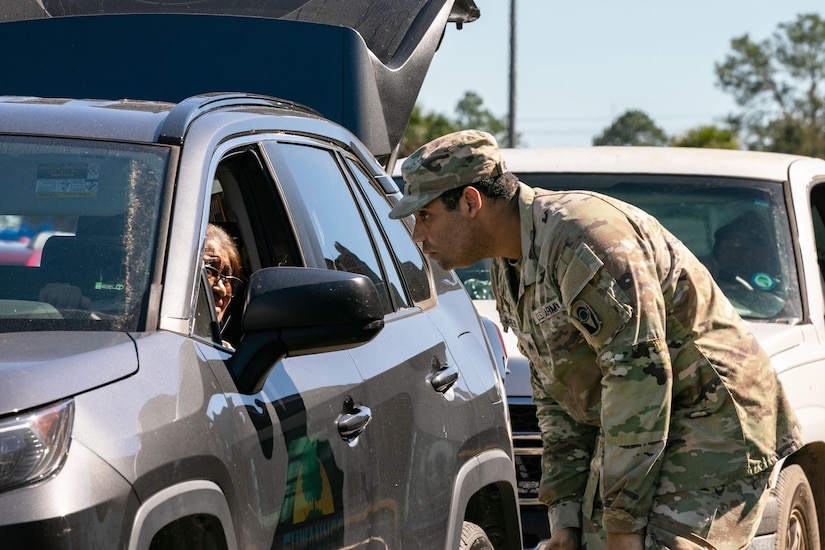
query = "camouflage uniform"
x=659 y=411
x=646 y=381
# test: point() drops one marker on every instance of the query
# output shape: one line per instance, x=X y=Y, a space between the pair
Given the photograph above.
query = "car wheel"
x=797 y=528
x=473 y=537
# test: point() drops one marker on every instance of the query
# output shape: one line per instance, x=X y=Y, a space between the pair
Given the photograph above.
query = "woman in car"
x=222 y=263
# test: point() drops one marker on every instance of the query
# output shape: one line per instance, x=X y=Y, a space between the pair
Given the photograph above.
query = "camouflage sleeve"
x=608 y=278
x=568 y=444
x=565 y=463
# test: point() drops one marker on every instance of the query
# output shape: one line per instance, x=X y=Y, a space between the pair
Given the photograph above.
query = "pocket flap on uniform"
x=582 y=267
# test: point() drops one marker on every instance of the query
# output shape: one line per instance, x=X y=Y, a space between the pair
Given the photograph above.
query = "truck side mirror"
x=291 y=311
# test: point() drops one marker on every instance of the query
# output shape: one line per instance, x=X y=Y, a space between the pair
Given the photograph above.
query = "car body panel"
x=169 y=427
x=15 y=252
x=650 y=160
x=276 y=428
x=61 y=373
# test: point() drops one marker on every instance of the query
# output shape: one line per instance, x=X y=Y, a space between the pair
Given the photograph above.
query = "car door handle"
x=443 y=376
x=353 y=420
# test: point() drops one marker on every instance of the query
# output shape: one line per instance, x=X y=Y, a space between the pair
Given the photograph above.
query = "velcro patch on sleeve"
x=581 y=268
x=593 y=309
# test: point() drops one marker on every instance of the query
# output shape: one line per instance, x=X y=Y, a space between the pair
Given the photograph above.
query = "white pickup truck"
x=758 y=221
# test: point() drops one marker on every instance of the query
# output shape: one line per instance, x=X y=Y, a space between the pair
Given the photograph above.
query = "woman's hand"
x=64 y=296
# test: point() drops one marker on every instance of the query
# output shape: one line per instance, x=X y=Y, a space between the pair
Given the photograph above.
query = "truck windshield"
x=78 y=225
x=738 y=228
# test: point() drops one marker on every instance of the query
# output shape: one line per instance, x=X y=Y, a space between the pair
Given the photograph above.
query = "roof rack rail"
x=185 y=112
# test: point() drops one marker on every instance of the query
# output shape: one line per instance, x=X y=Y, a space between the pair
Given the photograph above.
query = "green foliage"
x=707 y=136
x=470 y=113
x=425 y=126
x=777 y=82
x=633 y=127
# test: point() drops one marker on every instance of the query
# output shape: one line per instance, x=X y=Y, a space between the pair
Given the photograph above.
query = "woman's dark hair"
x=502 y=187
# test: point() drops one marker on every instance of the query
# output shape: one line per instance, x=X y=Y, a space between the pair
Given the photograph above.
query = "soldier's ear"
x=471 y=201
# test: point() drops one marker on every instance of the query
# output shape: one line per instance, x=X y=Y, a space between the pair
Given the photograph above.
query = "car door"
x=414 y=389
x=440 y=366
x=305 y=483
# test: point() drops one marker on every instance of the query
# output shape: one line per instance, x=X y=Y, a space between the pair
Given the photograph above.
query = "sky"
x=580 y=64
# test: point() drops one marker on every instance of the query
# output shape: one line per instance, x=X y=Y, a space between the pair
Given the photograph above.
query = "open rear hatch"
x=360 y=63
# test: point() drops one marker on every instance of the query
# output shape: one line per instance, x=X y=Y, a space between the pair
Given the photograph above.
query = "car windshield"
x=78 y=225
x=738 y=228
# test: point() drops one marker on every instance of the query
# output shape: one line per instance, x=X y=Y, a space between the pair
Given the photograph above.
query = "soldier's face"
x=445 y=235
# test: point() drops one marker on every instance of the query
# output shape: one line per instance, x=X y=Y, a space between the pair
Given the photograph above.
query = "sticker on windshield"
x=763 y=281
x=109 y=286
x=64 y=180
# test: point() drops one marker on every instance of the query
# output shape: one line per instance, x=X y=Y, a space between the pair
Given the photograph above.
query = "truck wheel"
x=797 y=528
x=473 y=537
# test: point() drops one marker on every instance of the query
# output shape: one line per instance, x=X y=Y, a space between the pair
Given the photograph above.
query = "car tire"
x=473 y=537
x=797 y=527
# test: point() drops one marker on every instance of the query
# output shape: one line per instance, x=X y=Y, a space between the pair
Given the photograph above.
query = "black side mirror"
x=292 y=311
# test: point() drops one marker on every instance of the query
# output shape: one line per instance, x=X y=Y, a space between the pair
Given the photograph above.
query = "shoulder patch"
x=585 y=315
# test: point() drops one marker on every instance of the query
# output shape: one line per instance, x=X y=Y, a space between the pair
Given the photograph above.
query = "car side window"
x=248 y=228
x=338 y=226
x=205 y=324
x=410 y=260
x=818 y=217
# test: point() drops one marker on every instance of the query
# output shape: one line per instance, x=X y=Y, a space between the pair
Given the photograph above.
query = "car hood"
x=42 y=367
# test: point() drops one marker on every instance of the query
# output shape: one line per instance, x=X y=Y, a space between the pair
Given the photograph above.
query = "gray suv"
x=348 y=396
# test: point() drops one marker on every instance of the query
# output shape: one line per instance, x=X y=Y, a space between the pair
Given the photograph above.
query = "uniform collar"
x=526 y=197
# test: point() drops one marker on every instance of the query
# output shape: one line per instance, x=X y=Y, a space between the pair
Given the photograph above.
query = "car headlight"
x=33 y=444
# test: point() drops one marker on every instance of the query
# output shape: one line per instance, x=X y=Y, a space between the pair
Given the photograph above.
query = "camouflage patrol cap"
x=451 y=161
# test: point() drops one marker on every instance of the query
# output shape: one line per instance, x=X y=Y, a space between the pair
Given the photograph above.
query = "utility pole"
x=511 y=123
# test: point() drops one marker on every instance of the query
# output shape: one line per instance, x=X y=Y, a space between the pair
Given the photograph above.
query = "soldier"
x=661 y=415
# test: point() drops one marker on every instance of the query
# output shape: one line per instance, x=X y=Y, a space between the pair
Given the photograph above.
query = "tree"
x=777 y=83
x=425 y=125
x=422 y=127
x=470 y=113
x=632 y=128
x=707 y=136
